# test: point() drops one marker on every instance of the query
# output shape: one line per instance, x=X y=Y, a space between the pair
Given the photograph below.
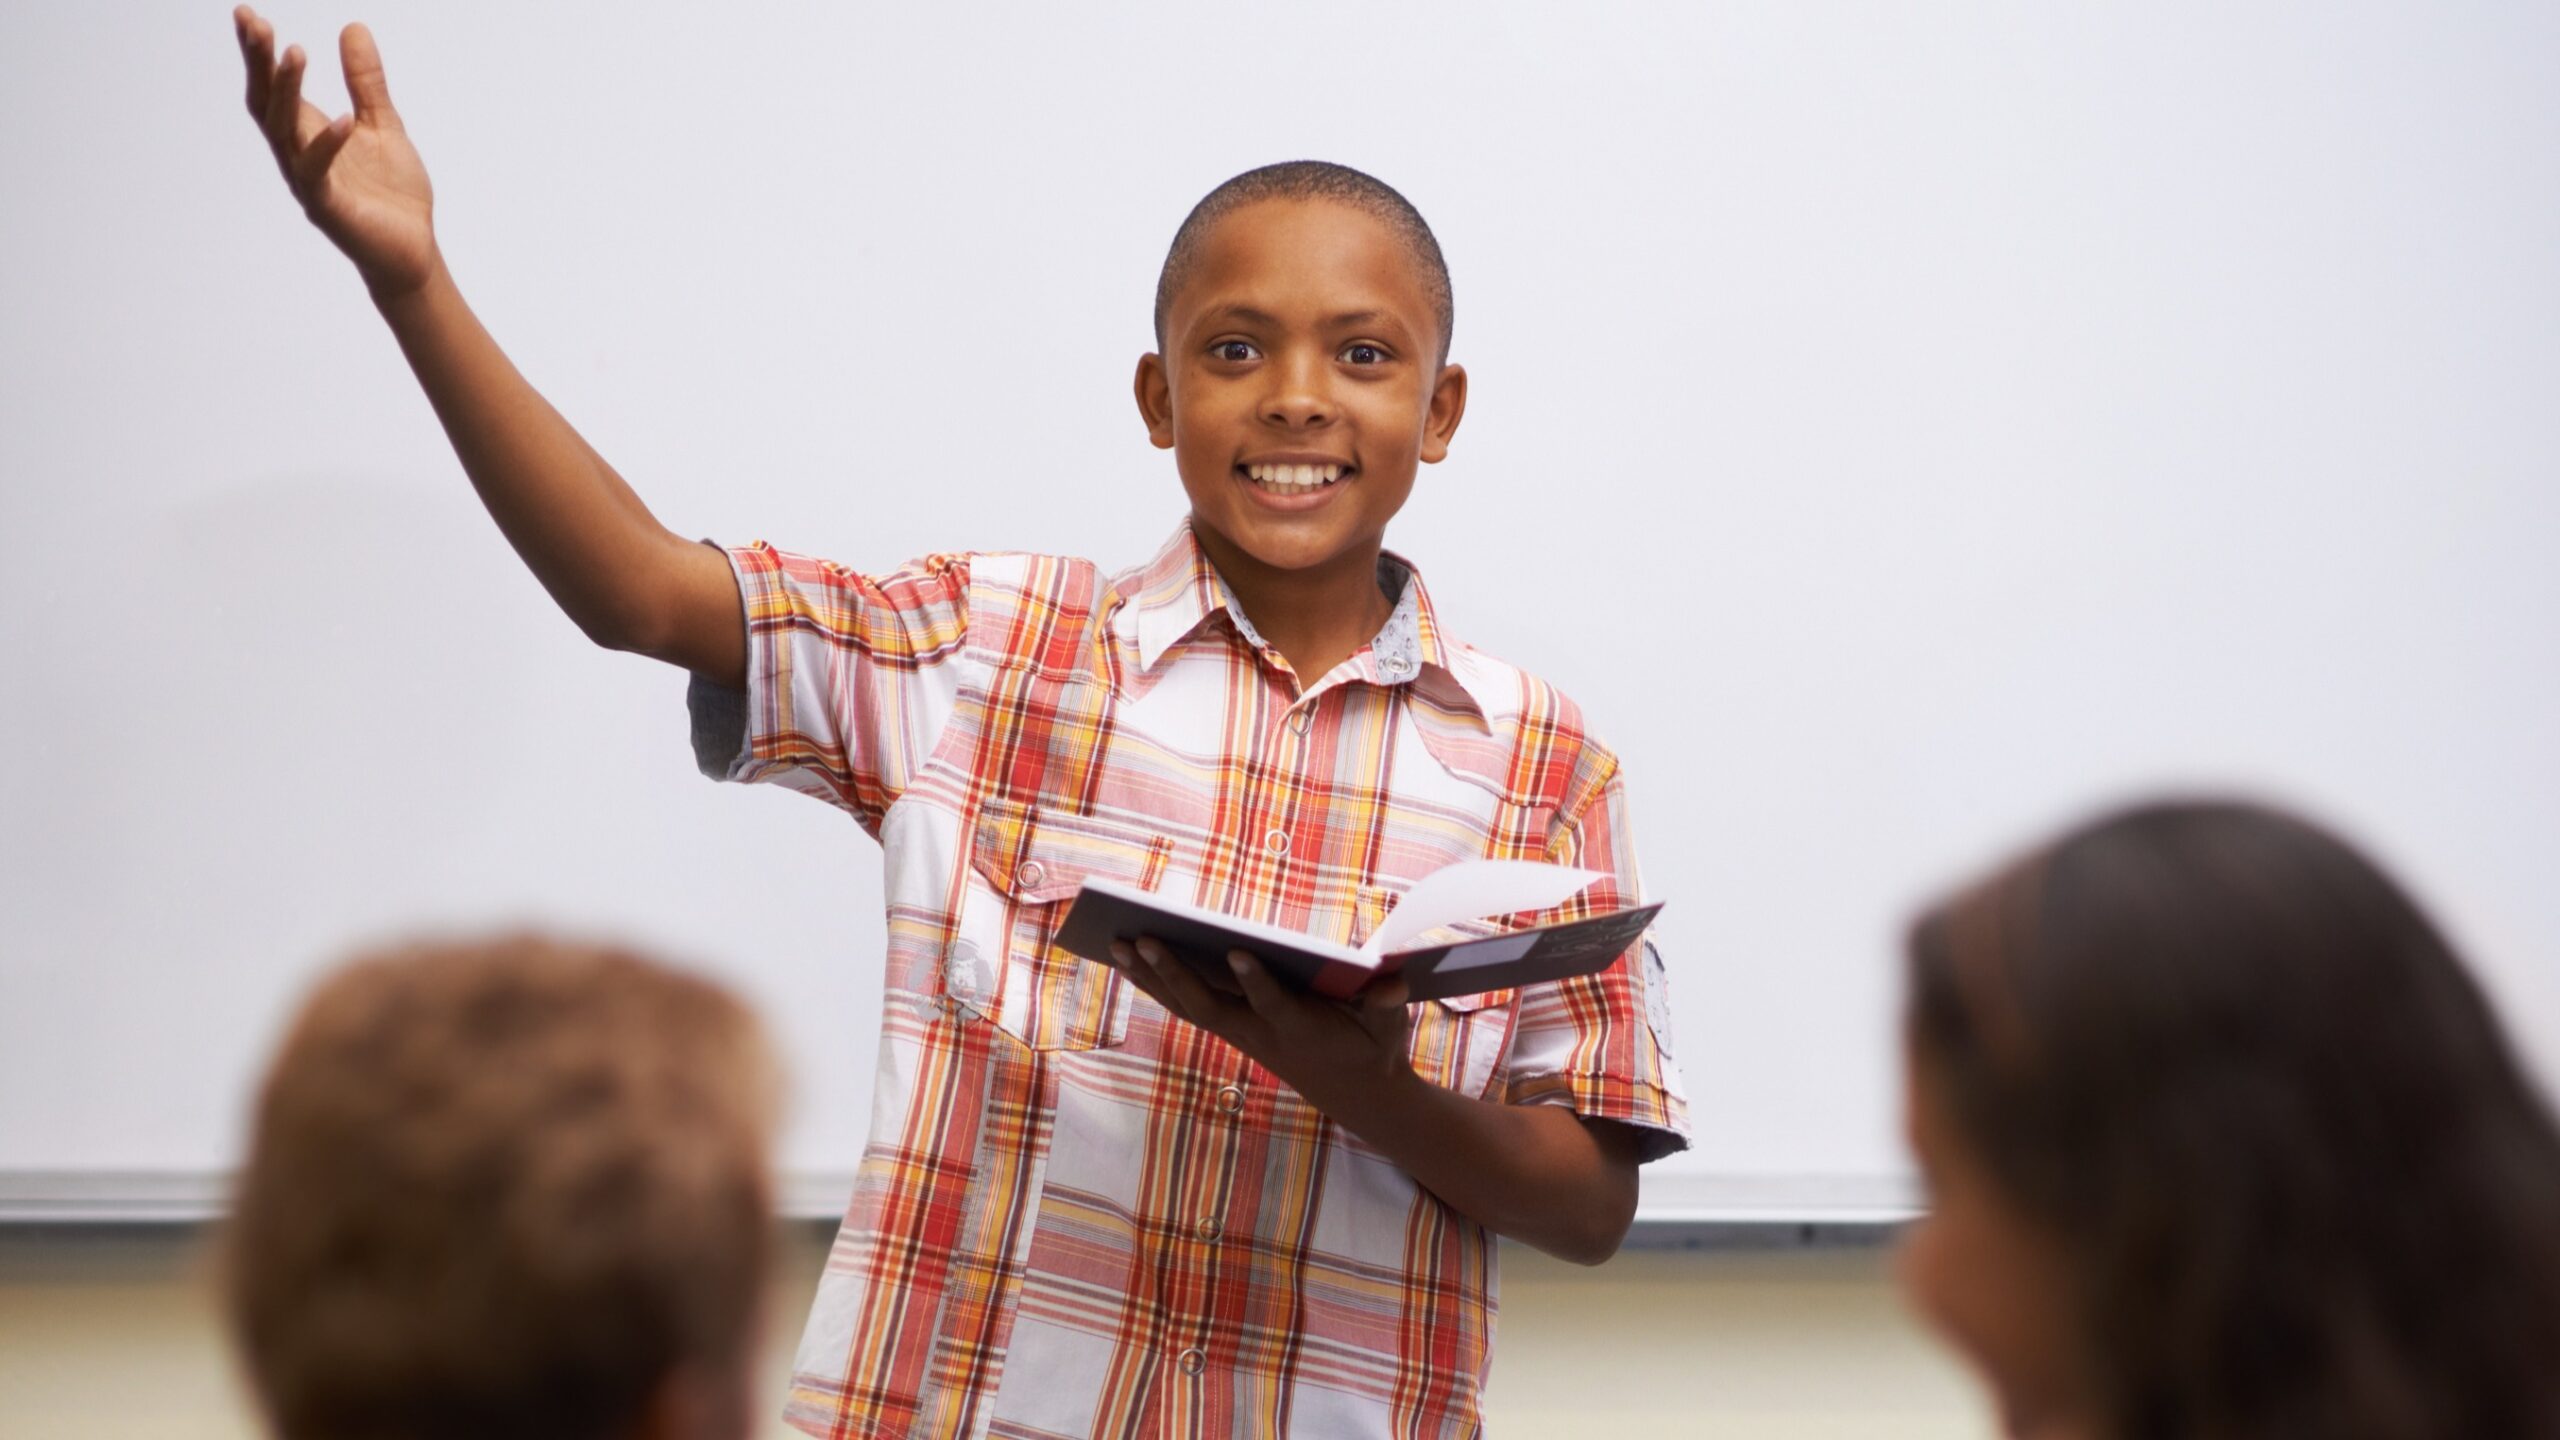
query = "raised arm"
x=628 y=581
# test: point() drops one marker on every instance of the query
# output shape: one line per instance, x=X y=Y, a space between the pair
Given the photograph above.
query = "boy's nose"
x=1298 y=399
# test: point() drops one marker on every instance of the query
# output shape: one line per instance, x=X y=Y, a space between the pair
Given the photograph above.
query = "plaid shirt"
x=1076 y=1216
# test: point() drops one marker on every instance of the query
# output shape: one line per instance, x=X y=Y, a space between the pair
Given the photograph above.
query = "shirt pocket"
x=1456 y=1042
x=1025 y=865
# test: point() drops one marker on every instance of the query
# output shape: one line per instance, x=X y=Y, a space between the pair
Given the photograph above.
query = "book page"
x=1501 y=950
x=1474 y=889
x=1241 y=933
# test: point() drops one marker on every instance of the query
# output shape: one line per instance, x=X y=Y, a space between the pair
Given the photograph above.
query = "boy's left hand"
x=1311 y=1042
x=1540 y=1173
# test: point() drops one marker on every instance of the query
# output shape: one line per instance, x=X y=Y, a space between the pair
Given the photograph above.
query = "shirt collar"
x=1178 y=591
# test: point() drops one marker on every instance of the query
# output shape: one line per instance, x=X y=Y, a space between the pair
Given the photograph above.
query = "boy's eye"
x=1364 y=353
x=1236 y=351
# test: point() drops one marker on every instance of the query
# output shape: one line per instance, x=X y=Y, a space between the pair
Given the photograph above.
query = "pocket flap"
x=1037 y=855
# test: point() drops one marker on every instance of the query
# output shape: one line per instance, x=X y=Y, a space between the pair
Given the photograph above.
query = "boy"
x=506 y=1190
x=1110 y=1200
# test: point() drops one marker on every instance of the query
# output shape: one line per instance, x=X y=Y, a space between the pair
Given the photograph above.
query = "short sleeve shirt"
x=1076 y=1215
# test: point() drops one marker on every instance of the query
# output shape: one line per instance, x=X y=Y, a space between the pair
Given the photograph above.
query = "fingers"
x=1125 y=959
x=1260 y=991
x=296 y=127
x=1176 y=980
x=284 y=103
x=284 y=91
x=313 y=161
x=362 y=62
x=1391 y=994
x=257 y=56
x=1383 y=1014
x=1139 y=973
x=1178 y=990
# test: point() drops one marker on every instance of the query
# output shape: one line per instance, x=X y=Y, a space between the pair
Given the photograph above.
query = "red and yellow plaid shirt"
x=1076 y=1216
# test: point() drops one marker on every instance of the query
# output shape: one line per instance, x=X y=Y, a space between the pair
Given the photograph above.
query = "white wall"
x=1900 y=426
x=111 y=1334
x=1987 y=407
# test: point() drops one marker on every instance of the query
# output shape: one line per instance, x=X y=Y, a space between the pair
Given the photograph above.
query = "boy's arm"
x=628 y=581
x=1537 y=1173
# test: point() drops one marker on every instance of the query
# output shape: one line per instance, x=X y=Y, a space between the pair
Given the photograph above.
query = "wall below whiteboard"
x=114 y=1333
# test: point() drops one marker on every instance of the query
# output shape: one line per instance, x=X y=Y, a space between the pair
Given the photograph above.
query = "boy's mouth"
x=1293 y=479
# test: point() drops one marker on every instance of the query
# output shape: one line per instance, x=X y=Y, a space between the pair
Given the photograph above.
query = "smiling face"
x=1299 y=387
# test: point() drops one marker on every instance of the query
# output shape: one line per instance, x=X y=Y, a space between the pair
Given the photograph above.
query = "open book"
x=1470 y=890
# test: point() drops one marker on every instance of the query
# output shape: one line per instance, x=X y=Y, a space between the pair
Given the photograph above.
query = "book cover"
x=1105 y=911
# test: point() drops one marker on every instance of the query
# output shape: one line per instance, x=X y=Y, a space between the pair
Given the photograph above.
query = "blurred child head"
x=1303 y=319
x=506 y=1190
x=2222 y=1140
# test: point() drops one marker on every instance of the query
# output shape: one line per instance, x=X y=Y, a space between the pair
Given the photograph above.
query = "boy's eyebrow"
x=1250 y=316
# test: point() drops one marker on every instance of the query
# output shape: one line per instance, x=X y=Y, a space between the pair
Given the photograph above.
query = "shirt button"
x=1193 y=1361
x=1300 y=719
x=1231 y=1098
x=1277 y=842
x=1031 y=873
x=1207 y=1229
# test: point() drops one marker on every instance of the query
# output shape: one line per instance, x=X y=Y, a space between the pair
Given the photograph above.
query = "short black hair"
x=1310 y=180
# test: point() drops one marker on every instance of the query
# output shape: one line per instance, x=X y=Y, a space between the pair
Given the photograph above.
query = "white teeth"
x=1293 y=479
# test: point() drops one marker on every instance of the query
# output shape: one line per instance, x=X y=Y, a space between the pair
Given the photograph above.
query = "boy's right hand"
x=628 y=581
x=358 y=177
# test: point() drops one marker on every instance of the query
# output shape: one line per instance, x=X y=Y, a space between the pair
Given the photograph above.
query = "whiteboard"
x=1902 y=427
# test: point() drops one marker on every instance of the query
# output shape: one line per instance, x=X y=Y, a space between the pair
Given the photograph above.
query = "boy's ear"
x=1448 y=407
x=1155 y=400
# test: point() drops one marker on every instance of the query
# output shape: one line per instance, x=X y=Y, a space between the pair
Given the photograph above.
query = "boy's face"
x=1300 y=385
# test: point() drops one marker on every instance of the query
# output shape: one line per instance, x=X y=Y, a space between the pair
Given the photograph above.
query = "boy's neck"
x=1316 y=618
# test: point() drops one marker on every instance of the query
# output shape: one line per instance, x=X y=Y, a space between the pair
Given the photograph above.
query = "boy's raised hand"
x=629 y=582
x=358 y=177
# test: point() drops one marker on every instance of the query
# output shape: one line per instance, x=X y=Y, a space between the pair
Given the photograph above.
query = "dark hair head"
x=500 y=1191
x=2305 y=1186
x=1310 y=180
